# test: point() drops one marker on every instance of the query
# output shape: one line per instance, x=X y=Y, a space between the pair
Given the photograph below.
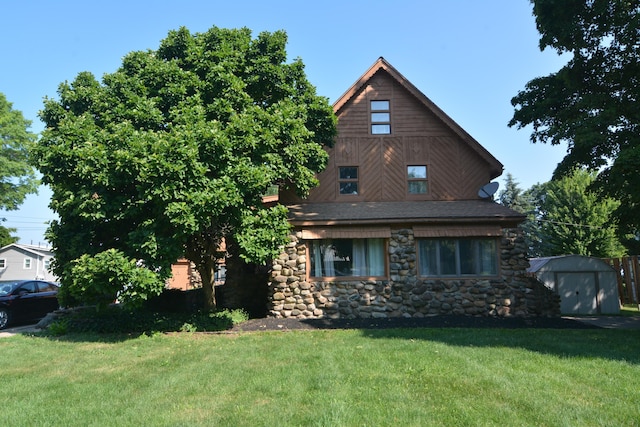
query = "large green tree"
x=172 y=152
x=17 y=177
x=514 y=197
x=592 y=102
x=6 y=237
x=569 y=219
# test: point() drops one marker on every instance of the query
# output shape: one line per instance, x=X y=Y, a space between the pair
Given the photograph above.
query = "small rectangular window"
x=47 y=264
x=380 y=118
x=348 y=179
x=379 y=105
x=3 y=263
x=27 y=263
x=417 y=179
x=380 y=129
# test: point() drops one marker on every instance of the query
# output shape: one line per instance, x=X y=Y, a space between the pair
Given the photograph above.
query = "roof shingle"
x=467 y=211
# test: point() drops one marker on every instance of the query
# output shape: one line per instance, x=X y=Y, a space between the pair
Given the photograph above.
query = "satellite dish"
x=488 y=190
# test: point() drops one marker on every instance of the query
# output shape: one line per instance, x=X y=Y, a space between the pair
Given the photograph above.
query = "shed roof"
x=567 y=263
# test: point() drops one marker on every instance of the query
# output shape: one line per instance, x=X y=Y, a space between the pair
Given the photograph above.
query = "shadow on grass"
x=618 y=344
x=558 y=336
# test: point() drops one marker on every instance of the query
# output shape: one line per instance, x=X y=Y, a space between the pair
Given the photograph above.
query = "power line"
x=568 y=223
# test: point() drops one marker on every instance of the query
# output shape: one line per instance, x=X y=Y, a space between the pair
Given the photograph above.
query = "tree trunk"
x=204 y=252
x=207 y=274
x=246 y=285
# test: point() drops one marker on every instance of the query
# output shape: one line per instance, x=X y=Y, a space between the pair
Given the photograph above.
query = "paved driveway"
x=610 y=322
x=17 y=330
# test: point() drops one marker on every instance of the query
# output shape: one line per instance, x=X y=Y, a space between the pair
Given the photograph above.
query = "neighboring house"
x=19 y=262
x=397 y=226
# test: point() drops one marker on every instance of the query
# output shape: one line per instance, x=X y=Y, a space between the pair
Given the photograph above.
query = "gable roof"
x=35 y=250
x=382 y=65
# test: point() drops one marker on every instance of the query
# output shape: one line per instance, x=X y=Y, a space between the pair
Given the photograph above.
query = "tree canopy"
x=6 y=238
x=564 y=218
x=172 y=152
x=17 y=176
x=591 y=103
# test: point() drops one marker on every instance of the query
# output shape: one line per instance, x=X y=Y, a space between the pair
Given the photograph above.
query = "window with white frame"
x=27 y=264
x=380 y=118
x=347 y=257
x=458 y=257
x=47 y=264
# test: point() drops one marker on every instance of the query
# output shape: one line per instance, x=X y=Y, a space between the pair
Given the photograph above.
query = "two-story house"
x=399 y=225
x=21 y=262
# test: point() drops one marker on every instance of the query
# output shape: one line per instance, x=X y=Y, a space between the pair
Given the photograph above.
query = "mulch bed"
x=275 y=324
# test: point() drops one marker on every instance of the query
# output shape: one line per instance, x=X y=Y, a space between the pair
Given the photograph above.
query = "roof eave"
x=501 y=220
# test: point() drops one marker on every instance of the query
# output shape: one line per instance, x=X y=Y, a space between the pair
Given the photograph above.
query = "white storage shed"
x=586 y=285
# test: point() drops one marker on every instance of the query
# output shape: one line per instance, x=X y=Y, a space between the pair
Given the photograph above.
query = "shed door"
x=578 y=292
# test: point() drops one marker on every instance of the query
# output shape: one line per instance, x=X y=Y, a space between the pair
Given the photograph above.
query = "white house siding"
x=14 y=257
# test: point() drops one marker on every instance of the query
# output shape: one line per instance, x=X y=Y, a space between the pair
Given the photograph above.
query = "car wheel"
x=4 y=318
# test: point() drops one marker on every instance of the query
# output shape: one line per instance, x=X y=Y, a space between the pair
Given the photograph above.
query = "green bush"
x=101 y=279
x=122 y=320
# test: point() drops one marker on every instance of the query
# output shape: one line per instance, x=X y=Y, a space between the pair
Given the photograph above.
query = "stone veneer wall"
x=405 y=294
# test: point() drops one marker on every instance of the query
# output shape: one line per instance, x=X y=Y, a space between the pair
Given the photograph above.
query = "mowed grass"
x=398 y=377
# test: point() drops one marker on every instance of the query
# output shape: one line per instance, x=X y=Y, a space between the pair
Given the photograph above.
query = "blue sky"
x=470 y=57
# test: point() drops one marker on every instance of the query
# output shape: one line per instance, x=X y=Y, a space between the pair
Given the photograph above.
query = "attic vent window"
x=380 y=118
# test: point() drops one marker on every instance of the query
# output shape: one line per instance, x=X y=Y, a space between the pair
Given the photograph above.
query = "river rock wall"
x=404 y=294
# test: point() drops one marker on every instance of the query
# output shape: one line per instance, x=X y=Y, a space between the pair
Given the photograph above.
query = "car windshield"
x=7 y=287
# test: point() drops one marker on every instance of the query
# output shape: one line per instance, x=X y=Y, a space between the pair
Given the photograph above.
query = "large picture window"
x=458 y=257
x=347 y=257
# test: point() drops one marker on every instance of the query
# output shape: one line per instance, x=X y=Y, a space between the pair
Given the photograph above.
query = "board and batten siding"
x=418 y=137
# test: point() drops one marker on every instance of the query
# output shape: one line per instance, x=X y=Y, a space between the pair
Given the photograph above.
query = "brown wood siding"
x=359 y=232
x=474 y=173
x=327 y=189
x=457 y=231
x=371 y=177
x=454 y=170
x=392 y=170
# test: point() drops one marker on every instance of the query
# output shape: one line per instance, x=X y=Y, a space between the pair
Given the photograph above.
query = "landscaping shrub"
x=122 y=320
x=98 y=280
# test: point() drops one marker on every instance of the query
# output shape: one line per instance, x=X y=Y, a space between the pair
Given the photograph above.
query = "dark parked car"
x=22 y=300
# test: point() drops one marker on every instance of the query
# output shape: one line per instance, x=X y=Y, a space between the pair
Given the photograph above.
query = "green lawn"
x=401 y=377
x=629 y=310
